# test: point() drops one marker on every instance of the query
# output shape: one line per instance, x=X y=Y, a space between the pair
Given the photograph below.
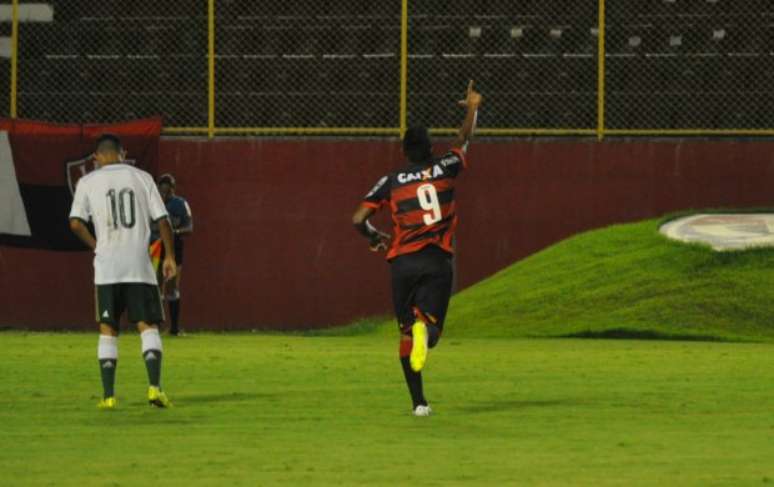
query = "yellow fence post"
x=403 y=66
x=211 y=67
x=601 y=72
x=14 y=56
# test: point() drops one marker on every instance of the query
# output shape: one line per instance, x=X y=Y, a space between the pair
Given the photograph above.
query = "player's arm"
x=158 y=213
x=472 y=101
x=377 y=240
x=170 y=267
x=378 y=196
x=82 y=232
x=186 y=230
x=187 y=227
x=80 y=213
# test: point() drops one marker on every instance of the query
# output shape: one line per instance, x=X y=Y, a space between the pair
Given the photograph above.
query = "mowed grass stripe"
x=269 y=410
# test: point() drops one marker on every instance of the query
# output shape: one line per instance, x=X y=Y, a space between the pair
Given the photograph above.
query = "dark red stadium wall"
x=273 y=244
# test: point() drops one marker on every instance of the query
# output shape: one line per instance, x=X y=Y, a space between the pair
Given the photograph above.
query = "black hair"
x=112 y=139
x=416 y=145
x=167 y=179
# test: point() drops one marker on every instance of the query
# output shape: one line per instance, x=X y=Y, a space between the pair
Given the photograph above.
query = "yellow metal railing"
x=211 y=68
x=403 y=65
x=600 y=129
x=601 y=71
x=14 y=57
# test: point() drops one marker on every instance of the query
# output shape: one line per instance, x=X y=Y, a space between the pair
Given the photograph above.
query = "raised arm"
x=472 y=101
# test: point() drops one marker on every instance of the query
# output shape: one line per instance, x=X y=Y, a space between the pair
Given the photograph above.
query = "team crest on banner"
x=40 y=166
x=75 y=170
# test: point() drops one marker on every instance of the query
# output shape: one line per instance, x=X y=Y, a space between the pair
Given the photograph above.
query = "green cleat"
x=157 y=398
x=107 y=404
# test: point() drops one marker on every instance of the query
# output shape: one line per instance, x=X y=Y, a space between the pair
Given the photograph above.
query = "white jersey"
x=121 y=201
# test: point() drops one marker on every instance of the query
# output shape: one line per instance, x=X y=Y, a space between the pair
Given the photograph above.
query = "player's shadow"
x=222 y=398
x=498 y=405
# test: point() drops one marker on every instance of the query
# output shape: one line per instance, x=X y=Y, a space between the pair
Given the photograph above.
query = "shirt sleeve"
x=80 y=209
x=454 y=161
x=155 y=203
x=185 y=213
x=379 y=194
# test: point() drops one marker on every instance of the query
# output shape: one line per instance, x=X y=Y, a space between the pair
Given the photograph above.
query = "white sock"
x=151 y=340
x=107 y=348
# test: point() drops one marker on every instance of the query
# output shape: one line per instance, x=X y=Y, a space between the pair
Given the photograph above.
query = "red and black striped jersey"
x=421 y=200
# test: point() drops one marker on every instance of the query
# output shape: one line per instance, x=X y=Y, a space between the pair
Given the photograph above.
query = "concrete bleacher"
x=338 y=63
x=686 y=64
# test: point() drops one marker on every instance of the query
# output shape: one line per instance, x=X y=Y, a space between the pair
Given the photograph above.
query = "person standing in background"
x=182 y=225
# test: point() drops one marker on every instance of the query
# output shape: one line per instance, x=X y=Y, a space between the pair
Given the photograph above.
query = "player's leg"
x=173 y=290
x=146 y=309
x=162 y=283
x=432 y=298
x=172 y=296
x=431 y=301
x=108 y=313
x=152 y=352
x=403 y=282
x=107 y=355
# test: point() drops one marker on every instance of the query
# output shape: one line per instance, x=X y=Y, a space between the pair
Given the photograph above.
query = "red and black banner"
x=40 y=164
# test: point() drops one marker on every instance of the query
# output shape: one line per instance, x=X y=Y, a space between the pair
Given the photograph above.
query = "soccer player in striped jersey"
x=421 y=200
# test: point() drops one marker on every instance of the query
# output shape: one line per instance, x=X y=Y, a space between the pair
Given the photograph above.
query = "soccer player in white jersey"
x=122 y=201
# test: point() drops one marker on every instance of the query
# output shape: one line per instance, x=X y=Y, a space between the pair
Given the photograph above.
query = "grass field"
x=330 y=407
x=622 y=281
x=625 y=280
x=267 y=410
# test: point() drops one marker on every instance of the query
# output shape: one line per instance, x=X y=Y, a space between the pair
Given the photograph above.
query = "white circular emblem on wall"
x=724 y=232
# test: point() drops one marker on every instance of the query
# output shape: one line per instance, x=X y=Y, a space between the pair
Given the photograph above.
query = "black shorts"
x=422 y=280
x=142 y=302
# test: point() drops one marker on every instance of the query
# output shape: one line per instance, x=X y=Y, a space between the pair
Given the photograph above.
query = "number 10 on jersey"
x=121 y=207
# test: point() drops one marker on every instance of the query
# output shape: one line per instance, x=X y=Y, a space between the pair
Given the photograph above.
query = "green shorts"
x=142 y=302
